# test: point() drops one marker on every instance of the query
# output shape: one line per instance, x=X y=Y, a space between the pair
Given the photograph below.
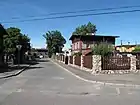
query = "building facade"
x=85 y=43
x=125 y=48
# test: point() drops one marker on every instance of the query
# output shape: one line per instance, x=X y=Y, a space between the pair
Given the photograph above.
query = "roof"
x=87 y=52
x=90 y=36
x=126 y=46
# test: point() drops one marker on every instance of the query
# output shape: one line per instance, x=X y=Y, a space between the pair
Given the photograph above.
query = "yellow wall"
x=125 y=49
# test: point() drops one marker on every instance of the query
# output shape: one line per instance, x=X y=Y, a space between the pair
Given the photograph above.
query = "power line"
x=81 y=11
x=70 y=16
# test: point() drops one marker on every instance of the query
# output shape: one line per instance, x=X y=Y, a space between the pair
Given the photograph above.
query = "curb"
x=15 y=74
x=98 y=82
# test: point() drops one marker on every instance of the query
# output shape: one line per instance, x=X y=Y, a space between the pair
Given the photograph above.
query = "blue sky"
x=127 y=25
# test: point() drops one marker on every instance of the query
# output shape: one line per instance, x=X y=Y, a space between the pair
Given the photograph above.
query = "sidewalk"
x=132 y=79
x=13 y=70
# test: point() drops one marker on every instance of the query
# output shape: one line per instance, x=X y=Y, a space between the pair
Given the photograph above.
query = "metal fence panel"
x=115 y=63
x=87 y=61
x=78 y=60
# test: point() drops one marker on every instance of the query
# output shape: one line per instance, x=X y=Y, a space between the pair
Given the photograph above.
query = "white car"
x=41 y=56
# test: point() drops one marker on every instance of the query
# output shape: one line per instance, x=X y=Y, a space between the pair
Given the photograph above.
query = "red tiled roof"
x=87 y=52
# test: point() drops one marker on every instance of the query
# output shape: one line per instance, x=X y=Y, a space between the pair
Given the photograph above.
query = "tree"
x=102 y=49
x=14 y=38
x=55 y=42
x=137 y=49
x=84 y=29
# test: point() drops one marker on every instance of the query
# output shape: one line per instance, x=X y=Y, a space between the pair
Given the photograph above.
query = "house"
x=2 y=32
x=125 y=48
x=85 y=43
x=42 y=52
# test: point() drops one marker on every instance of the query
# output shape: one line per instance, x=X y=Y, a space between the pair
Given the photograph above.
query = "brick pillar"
x=74 y=60
x=133 y=63
x=68 y=60
x=82 y=61
x=96 y=62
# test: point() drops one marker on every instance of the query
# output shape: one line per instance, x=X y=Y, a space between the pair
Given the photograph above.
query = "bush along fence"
x=96 y=64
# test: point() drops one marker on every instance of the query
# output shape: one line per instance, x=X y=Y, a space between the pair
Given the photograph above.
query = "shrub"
x=102 y=49
x=137 y=49
x=77 y=54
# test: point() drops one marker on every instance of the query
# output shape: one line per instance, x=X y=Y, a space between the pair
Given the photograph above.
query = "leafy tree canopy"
x=84 y=29
x=137 y=49
x=14 y=38
x=55 y=42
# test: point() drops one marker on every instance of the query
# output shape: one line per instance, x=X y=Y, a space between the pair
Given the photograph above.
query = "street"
x=48 y=84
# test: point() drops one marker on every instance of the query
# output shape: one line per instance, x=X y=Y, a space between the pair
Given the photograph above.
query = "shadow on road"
x=42 y=60
x=33 y=68
x=32 y=63
x=10 y=68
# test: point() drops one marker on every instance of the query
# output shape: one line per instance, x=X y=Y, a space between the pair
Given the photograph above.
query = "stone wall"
x=96 y=62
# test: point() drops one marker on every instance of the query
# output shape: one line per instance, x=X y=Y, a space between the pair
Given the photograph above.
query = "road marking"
x=90 y=81
x=20 y=90
x=58 y=78
x=118 y=91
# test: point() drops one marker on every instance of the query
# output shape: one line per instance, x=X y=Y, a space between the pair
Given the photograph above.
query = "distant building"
x=42 y=51
x=125 y=48
x=85 y=43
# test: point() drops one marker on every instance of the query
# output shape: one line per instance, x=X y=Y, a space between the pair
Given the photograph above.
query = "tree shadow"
x=32 y=63
x=29 y=68
x=12 y=68
x=42 y=60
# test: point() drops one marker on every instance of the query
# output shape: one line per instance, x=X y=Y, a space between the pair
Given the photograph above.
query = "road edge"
x=15 y=74
x=91 y=81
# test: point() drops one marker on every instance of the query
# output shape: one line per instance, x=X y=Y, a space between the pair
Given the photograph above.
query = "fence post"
x=68 y=60
x=64 y=59
x=82 y=61
x=96 y=62
x=133 y=63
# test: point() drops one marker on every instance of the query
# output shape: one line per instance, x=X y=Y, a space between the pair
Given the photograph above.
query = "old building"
x=125 y=48
x=85 y=43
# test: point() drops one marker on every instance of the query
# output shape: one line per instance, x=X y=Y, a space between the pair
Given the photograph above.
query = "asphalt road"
x=48 y=84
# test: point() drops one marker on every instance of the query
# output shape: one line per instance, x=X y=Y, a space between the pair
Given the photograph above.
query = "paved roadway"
x=48 y=84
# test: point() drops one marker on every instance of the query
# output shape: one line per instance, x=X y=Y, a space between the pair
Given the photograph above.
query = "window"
x=83 y=46
x=75 y=46
x=88 y=45
x=72 y=46
x=78 y=45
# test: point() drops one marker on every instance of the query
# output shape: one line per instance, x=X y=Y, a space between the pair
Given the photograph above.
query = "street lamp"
x=19 y=48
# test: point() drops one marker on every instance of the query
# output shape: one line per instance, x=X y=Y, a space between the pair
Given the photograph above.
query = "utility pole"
x=121 y=43
x=135 y=42
x=19 y=48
